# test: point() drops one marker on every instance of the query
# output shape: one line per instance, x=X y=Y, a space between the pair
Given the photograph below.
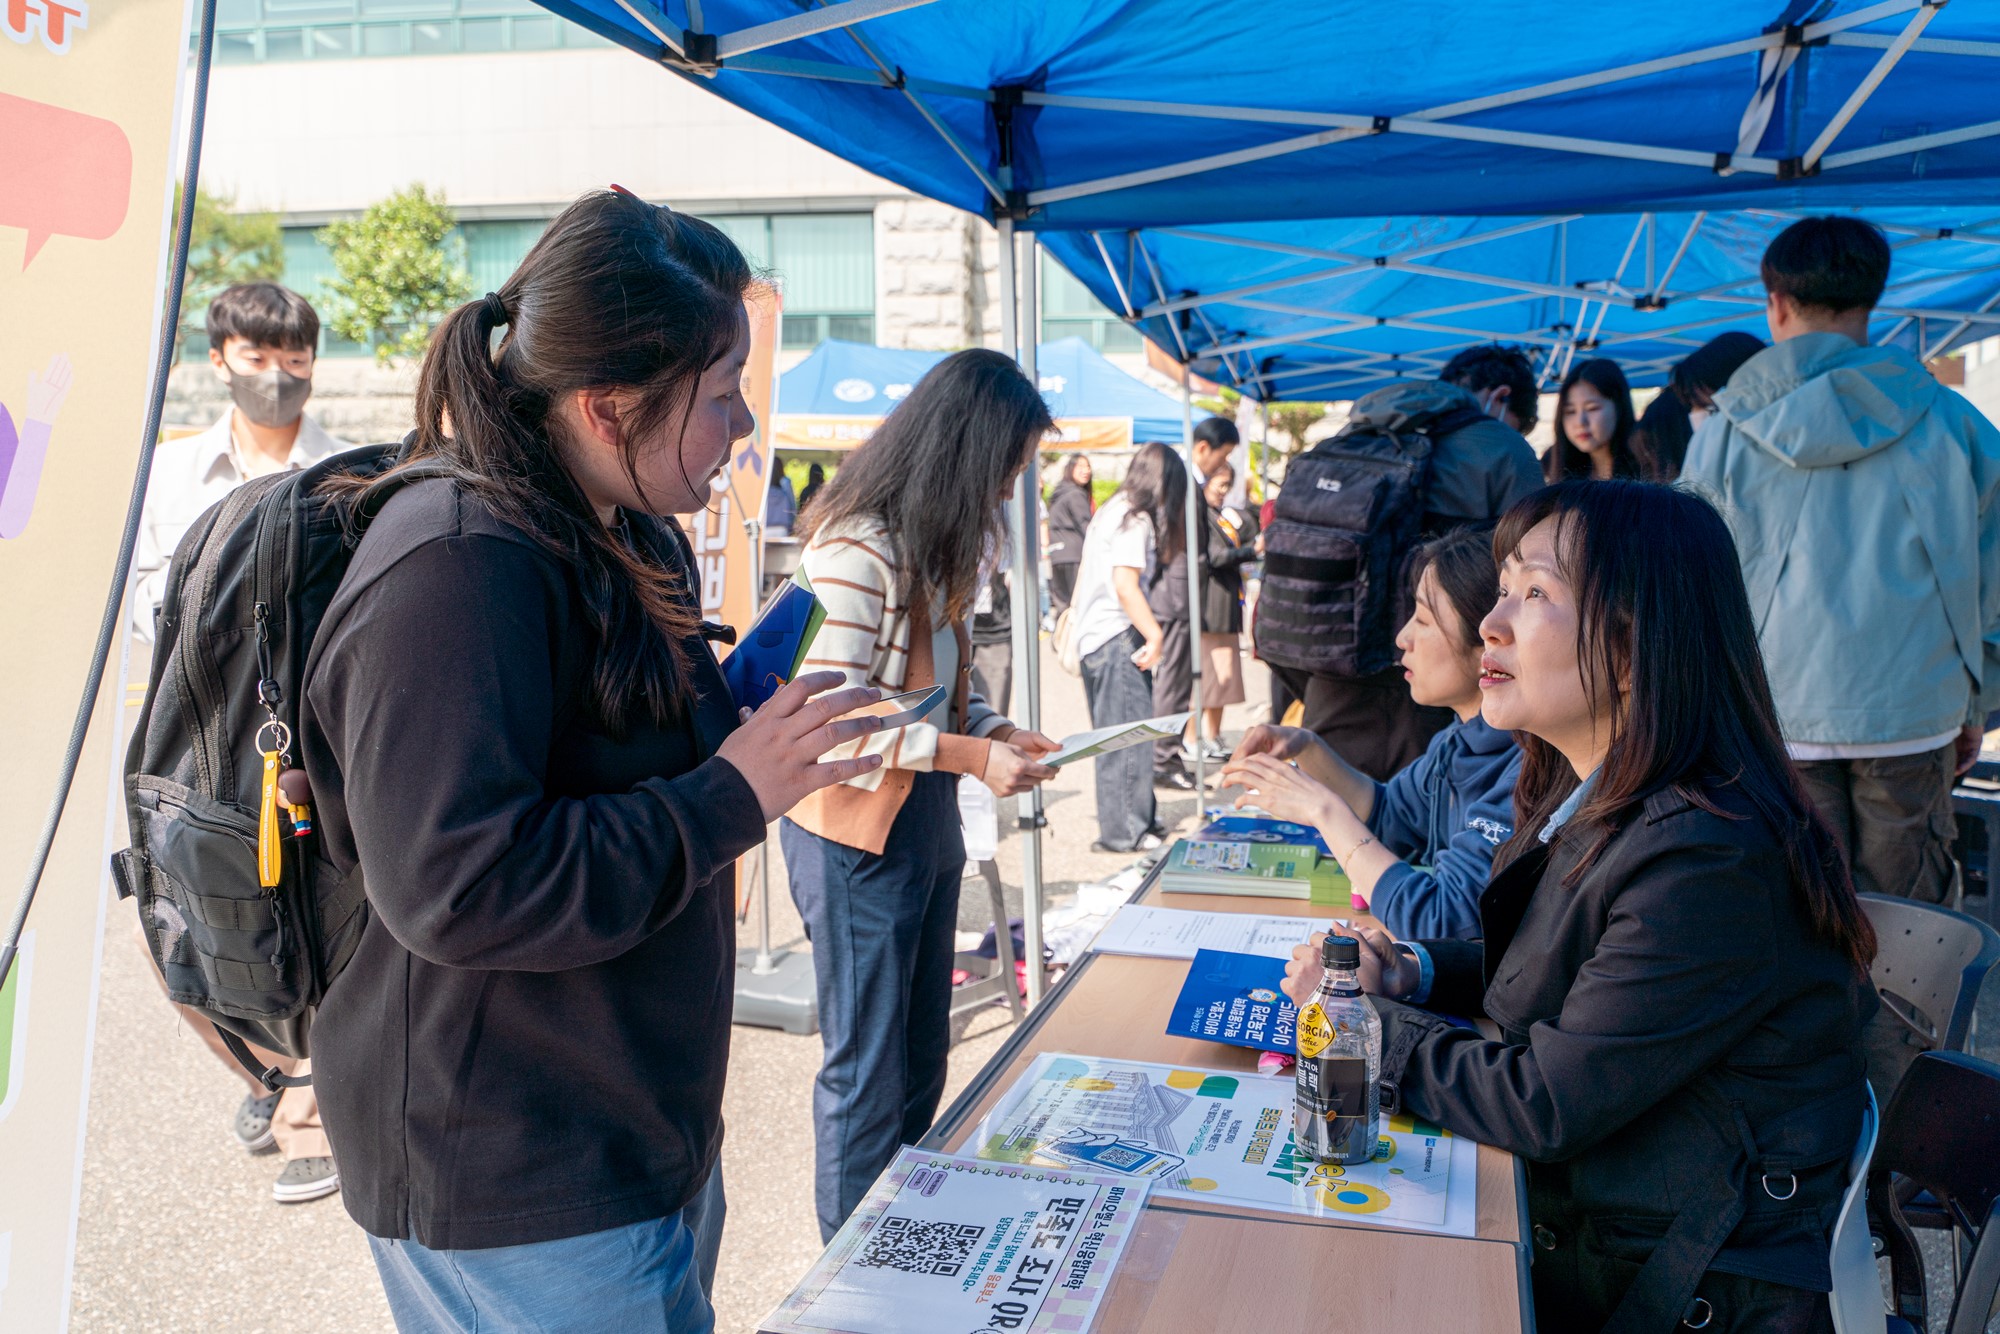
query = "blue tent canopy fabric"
x=1356 y=161
x=860 y=379
x=1088 y=114
x=1332 y=308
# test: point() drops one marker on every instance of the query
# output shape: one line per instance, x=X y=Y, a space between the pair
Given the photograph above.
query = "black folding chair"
x=1942 y=1133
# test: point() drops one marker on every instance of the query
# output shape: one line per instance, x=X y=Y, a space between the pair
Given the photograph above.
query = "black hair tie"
x=496 y=309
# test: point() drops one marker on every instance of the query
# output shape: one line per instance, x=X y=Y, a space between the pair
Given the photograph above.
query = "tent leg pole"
x=1018 y=339
x=1194 y=550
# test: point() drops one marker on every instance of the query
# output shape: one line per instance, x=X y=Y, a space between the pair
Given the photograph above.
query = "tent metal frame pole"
x=1943 y=344
x=808 y=24
x=1870 y=82
x=1027 y=613
x=1195 y=544
x=639 y=17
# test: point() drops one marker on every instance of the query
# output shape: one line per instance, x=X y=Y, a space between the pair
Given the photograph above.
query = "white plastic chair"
x=1857 y=1302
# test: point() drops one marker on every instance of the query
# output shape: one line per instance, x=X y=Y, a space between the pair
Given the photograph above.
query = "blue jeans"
x=881 y=930
x=652 y=1277
x=1118 y=692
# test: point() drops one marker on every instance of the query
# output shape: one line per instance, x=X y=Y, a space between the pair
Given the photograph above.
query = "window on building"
x=1070 y=311
x=825 y=263
x=252 y=31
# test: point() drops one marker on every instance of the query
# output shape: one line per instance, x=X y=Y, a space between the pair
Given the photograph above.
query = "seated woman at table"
x=1672 y=951
x=1418 y=848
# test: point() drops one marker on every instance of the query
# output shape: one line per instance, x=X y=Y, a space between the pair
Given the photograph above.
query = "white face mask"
x=1696 y=416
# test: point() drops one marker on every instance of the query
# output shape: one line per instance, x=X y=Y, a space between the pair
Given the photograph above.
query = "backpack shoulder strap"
x=267 y=1075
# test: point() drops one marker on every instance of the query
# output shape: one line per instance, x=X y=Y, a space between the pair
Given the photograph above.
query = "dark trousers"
x=881 y=930
x=1062 y=587
x=1173 y=690
x=1118 y=692
x=1892 y=818
x=1370 y=721
x=993 y=673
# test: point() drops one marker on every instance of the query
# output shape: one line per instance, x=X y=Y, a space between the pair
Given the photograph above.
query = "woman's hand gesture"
x=778 y=748
x=1280 y=743
x=1385 y=970
x=1011 y=766
x=1279 y=787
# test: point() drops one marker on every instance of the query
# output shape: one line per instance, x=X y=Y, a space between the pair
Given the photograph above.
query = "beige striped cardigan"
x=869 y=638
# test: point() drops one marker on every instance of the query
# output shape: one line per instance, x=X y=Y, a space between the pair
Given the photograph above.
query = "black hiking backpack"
x=245 y=594
x=1336 y=555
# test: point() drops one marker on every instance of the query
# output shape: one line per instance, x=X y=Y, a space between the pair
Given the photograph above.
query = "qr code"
x=1120 y=1157
x=921 y=1246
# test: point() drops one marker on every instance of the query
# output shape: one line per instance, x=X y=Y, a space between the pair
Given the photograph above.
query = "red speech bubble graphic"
x=62 y=173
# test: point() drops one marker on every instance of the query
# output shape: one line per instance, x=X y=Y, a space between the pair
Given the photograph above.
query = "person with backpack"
x=1865 y=500
x=519 y=742
x=896 y=548
x=1419 y=848
x=262 y=343
x=1415 y=460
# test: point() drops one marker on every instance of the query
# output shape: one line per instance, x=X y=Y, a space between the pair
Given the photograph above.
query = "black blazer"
x=1679 y=1061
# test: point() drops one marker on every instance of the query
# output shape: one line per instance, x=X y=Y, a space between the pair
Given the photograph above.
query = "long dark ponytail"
x=616 y=293
x=1661 y=605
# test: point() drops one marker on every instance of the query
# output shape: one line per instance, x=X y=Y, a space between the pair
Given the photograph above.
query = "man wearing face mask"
x=261 y=341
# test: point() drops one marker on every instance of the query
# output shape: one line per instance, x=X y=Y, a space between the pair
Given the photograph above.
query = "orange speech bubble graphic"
x=62 y=173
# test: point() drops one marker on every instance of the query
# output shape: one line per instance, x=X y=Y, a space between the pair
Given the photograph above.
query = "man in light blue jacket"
x=1862 y=496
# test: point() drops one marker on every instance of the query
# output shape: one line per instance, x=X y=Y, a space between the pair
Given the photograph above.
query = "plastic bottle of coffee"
x=1336 y=1111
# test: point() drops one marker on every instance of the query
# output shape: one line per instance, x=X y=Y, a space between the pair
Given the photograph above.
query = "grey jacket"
x=1861 y=493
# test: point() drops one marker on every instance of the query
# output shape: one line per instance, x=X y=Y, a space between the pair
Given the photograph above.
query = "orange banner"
x=721 y=533
x=801 y=430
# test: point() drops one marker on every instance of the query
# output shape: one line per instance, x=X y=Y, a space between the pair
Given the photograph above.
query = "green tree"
x=1295 y=419
x=399 y=268
x=225 y=248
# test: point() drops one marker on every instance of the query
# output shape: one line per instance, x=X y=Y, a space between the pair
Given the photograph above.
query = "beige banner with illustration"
x=87 y=120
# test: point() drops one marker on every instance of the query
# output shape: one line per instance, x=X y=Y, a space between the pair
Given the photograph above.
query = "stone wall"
x=936 y=277
x=353 y=398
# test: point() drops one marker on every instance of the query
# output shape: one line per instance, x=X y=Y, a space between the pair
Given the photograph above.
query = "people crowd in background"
x=1661 y=703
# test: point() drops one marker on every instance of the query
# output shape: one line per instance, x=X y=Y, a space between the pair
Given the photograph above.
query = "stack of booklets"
x=775 y=644
x=1254 y=869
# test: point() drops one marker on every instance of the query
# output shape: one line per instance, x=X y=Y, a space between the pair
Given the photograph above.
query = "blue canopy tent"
x=862 y=380
x=1333 y=308
x=1108 y=119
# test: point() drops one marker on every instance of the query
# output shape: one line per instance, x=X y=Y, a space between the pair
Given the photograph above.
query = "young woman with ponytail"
x=520 y=743
x=1670 y=948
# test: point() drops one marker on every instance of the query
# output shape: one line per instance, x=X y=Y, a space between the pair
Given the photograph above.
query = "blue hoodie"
x=1447 y=813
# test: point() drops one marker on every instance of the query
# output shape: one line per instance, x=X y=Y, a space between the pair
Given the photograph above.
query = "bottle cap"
x=1340 y=952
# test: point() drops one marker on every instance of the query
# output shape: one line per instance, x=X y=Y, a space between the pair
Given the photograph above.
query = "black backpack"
x=245 y=594
x=1336 y=554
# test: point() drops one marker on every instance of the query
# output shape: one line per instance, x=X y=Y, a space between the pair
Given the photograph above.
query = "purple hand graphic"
x=22 y=453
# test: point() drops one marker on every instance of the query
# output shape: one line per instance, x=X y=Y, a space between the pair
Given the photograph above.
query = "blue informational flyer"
x=1234 y=998
x=1260 y=829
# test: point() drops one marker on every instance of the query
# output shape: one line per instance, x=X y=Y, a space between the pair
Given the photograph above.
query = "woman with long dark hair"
x=894 y=548
x=519 y=742
x=1698 y=377
x=1671 y=949
x=1593 y=425
x=1137 y=533
x=1070 y=508
x=1419 y=848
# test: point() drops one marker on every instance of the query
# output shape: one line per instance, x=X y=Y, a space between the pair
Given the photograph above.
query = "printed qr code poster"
x=947 y=1245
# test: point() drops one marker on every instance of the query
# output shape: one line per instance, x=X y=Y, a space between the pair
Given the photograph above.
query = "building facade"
x=318 y=108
